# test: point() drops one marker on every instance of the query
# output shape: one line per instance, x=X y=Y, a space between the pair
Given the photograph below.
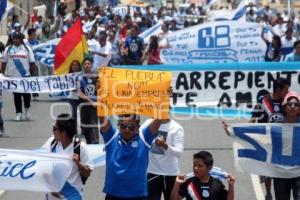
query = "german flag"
x=71 y=47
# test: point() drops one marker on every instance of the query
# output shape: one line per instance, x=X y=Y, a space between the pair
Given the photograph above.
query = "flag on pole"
x=5 y=7
x=72 y=46
x=240 y=11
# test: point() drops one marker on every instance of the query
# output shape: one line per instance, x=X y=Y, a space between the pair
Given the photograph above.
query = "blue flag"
x=5 y=7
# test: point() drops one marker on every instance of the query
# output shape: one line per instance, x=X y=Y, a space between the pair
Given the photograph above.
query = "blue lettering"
x=258 y=153
x=13 y=170
x=27 y=166
x=277 y=146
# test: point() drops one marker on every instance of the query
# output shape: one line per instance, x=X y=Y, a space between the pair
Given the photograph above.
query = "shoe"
x=18 y=117
x=27 y=114
x=268 y=196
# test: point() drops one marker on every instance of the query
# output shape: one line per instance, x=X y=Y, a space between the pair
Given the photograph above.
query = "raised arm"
x=175 y=191
x=231 y=181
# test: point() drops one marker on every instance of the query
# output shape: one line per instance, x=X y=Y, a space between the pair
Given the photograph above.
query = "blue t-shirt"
x=135 y=46
x=126 y=163
x=88 y=86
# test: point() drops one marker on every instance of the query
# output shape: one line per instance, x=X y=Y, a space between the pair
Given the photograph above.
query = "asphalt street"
x=200 y=134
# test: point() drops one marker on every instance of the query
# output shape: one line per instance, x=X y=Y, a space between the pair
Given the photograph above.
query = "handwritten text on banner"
x=125 y=91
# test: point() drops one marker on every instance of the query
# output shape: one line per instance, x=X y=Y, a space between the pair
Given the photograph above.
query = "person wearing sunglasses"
x=127 y=149
x=64 y=141
x=284 y=186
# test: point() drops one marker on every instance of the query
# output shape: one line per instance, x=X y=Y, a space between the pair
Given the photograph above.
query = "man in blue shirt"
x=127 y=150
x=295 y=56
x=134 y=47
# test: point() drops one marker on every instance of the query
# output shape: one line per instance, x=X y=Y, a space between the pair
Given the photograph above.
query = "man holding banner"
x=269 y=110
x=127 y=151
x=127 y=93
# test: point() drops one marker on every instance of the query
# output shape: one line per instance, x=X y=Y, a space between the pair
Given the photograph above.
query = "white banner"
x=230 y=89
x=33 y=171
x=216 y=42
x=41 y=84
x=271 y=150
x=226 y=88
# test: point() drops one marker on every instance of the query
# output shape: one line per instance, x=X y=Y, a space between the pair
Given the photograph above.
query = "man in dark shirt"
x=269 y=110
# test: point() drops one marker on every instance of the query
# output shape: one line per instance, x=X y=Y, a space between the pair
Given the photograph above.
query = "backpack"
x=76 y=145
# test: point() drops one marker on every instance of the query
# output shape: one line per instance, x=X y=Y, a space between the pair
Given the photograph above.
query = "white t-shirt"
x=285 y=43
x=161 y=161
x=74 y=179
x=100 y=60
x=17 y=59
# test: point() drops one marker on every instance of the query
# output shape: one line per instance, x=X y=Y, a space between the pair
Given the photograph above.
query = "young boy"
x=202 y=186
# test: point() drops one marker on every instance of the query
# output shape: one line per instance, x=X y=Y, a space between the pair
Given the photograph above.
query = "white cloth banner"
x=271 y=150
x=216 y=42
x=154 y=30
x=41 y=84
x=96 y=154
x=33 y=171
x=230 y=89
x=226 y=88
x=45 y=52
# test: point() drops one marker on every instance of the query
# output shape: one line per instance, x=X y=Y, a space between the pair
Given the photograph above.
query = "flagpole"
x=21 y=9
x=289 y=8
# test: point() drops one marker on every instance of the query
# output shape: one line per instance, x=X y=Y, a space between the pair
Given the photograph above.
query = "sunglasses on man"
x=129 y=127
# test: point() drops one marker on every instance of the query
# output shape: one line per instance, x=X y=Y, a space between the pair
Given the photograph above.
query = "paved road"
x=200 y=134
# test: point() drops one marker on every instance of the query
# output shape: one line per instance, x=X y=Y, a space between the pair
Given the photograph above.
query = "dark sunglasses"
x=290 y=104
x=127 y=127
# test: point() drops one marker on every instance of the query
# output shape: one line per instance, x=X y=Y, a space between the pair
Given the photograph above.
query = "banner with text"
x=33 y=171
x=216 y=42
x=230 y=89
x=125 y=91
x=41 y=84
x=271 y=150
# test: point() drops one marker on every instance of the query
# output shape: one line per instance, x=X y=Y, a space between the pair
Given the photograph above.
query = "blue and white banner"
x=215 y=172
x=96 y=154
x=41 y=84
x=271 y=150
x=227 y=90
x=87 y=26
x=216 y=42
x=154 y=30
x=33 y=171
x=45 y=52
x=5 y=7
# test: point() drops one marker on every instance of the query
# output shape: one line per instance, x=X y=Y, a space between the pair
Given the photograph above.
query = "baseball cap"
x=289 y=95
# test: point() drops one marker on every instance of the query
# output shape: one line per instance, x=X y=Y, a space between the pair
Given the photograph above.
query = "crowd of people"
x=148 y=152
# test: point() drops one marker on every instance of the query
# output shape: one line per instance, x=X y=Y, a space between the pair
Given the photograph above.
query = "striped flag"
x=72 y=46
x=5 y=7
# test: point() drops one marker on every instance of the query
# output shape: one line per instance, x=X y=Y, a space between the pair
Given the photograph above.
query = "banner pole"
x=21 y=9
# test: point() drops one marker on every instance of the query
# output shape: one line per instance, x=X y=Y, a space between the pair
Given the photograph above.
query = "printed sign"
x=216 y=42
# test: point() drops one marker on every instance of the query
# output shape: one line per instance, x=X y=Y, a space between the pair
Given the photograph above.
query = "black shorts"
x=159 y=184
